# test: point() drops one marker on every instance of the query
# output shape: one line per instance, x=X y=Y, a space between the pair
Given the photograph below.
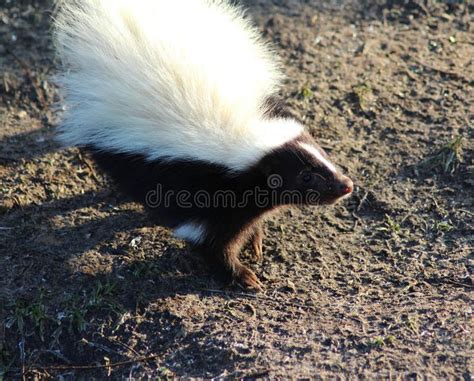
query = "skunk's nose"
x=345 y=186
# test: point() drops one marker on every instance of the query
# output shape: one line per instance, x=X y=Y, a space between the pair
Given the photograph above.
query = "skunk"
x=175 y=100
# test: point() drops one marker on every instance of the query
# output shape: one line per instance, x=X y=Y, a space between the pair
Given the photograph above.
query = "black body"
x=230 y=205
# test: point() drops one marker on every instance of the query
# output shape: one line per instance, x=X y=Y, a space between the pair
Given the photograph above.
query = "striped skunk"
x=175 y=100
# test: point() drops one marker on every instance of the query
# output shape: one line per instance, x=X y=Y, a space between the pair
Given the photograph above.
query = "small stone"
x=135 y=242
x=22 y=114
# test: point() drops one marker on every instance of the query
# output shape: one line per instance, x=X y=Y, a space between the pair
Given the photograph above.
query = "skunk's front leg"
x=241 y=274
x=225 y=254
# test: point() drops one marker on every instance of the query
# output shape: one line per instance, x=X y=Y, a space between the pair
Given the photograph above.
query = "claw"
x=247 y=279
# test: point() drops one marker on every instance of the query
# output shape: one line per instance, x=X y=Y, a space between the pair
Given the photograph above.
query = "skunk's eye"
x=307 y=177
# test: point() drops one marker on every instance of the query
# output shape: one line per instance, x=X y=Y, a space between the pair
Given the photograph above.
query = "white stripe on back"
x=170 y=80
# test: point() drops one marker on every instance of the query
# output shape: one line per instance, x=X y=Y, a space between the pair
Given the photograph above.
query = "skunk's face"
x=303 y=174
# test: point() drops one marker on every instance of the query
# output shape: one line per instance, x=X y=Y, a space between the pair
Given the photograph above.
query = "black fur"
x=228 y=225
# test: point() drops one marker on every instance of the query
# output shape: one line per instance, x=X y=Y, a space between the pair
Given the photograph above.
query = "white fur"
x=170 y=79
x=313 y=151
x=191 y=232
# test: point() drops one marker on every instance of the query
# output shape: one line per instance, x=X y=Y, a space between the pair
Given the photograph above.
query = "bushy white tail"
x=175 y=79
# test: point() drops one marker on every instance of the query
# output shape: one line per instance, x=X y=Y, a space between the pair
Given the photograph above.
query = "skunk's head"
x=301 y=173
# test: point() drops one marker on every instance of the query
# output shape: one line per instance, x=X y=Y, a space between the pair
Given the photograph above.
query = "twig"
x=108 y=365
x=442 y=280
x=456 y=283
x=21 y=346
x=259 y=297
x=89 y=367
x=442 y=71
x=362 y=200
x=466 y=211
x=356 y=220
x=256 y=375
x=409 y=74
x=121 y=344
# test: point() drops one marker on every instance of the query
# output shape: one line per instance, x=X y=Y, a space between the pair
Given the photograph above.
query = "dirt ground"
x=379 y=286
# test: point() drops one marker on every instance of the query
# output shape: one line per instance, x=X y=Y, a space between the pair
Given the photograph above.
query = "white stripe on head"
x=191 y=231
x=315 y=152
